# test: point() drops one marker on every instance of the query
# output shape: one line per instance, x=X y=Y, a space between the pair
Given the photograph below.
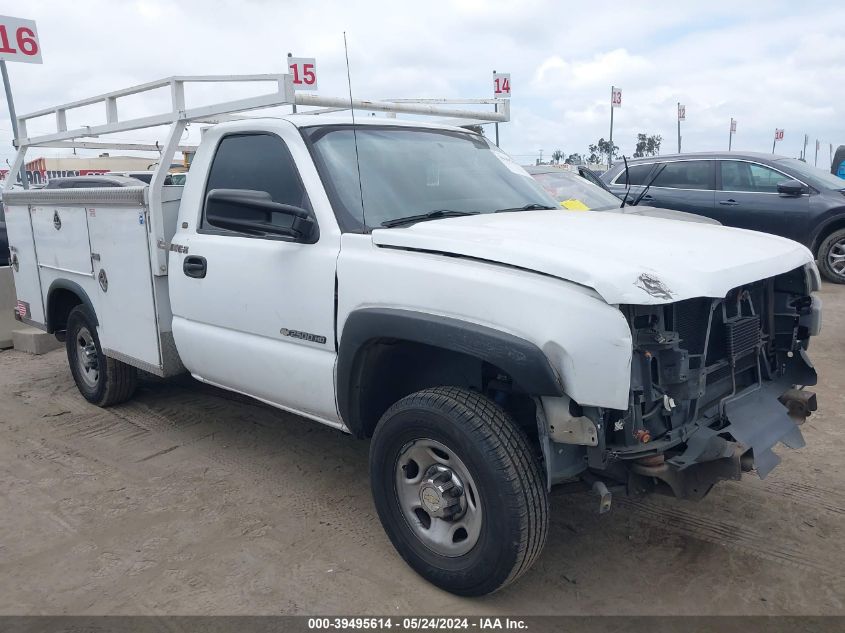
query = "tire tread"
x=121 y=379
x=511 y=454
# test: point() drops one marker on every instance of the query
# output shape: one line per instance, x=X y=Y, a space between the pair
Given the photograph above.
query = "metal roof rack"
x=283 y=94
x=179 y=115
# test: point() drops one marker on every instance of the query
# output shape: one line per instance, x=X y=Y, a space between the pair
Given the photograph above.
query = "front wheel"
x=100 y=379
x=831 y=257
x=458 y=490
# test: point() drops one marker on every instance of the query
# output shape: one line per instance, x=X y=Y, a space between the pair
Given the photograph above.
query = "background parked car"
x=145 y=176
x=761 y=192
x=86 y=182
x=576 y=193
x=837 y=167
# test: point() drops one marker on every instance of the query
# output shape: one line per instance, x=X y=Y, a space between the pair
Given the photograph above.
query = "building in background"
x=40 y=170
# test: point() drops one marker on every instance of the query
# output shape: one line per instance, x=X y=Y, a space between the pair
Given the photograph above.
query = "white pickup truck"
x=408 y=283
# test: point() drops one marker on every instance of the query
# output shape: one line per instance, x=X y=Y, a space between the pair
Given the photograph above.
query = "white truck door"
x=255 y=313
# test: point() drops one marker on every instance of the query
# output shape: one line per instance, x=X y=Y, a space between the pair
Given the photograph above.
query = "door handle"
x=194 y=266
x=728 y=203
x=648 y=196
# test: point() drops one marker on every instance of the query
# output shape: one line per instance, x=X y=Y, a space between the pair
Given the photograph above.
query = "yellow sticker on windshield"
x=574 y=205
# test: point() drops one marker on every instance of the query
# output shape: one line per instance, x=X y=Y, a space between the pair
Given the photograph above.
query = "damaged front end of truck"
x=715 y=385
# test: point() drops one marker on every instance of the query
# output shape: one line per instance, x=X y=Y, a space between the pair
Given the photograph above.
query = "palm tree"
x=557 y=155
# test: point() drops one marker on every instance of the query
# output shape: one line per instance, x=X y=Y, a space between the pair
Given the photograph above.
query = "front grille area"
x=690 y=322
x=692 y=357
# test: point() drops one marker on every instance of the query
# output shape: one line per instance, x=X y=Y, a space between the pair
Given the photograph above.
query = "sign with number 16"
x=19 y=41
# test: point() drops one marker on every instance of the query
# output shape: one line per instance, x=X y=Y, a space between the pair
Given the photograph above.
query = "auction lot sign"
x=19 y=40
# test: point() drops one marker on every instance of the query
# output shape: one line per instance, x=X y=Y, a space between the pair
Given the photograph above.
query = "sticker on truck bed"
x=23 y=309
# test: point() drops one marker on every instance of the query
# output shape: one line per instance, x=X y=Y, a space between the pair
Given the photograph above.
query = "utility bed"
x=93 y=239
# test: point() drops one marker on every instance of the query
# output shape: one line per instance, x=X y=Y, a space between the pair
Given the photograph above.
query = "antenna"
x=354 y=131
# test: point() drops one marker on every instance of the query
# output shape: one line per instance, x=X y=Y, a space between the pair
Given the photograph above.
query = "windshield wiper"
x=422 y=217
x=627 y=182
x=534 y=206
x=648 y=184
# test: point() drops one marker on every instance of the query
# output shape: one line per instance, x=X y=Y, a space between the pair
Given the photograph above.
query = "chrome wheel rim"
x=86 y=358
x=836 y=257
x=438 y=497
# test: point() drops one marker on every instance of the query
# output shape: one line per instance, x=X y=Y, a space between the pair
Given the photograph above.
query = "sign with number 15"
x=19 y=41
x=304 y=71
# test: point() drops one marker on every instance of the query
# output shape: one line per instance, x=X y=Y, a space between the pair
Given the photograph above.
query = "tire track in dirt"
x=204 y=422
x=829 y=500
x=739 y=536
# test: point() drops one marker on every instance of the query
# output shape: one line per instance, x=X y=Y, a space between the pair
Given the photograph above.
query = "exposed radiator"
x=743 y=336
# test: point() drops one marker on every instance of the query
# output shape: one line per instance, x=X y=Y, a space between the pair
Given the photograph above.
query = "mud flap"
x=758 y=421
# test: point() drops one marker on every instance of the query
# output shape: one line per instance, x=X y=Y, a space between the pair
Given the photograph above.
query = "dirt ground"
x=188 y=500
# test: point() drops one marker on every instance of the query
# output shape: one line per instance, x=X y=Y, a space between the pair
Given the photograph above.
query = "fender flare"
x=523 y=361
x=75 y=288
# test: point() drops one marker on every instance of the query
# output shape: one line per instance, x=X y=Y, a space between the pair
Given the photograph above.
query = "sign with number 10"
x=19 y=41
x=304 y=71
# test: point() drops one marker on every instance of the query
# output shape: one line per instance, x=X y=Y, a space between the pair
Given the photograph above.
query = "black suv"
x=762 y=192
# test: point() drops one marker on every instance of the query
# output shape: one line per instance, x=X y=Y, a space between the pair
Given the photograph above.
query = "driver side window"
x=258 y=162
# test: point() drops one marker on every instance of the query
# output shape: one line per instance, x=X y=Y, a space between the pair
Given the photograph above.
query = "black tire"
x=834 y=242
x=106 y=382
x=503 y=469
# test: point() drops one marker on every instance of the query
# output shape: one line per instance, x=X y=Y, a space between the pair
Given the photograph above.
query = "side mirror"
x=790 y=188
x=255 y=213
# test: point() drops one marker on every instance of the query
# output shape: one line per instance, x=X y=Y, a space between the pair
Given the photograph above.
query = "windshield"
x=411 y=171
x=576 y=193
x=813 y=175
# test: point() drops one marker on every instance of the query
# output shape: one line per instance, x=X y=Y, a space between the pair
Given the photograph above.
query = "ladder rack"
x=283 y=94
x=179 y=115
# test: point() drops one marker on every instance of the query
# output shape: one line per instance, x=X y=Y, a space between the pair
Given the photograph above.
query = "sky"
x=766 y=64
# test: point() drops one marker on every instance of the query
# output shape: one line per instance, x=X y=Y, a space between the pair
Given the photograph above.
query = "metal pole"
x=817 y=153
x=775 y=141
x=13 y=116
x=730 y=134
x=294 y=103
x=610 y=152
x=496 y=109
x=679 y=127
x=804 y=151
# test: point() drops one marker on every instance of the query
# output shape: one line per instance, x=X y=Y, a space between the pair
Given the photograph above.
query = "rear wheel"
x=101 y=380
x=458 y=490
x=831 y=257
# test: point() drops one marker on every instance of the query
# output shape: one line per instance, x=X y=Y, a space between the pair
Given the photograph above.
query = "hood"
x=668 y=214
x=626 y=259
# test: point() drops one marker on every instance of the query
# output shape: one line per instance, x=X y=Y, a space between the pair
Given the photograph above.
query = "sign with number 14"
x=502 y=85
